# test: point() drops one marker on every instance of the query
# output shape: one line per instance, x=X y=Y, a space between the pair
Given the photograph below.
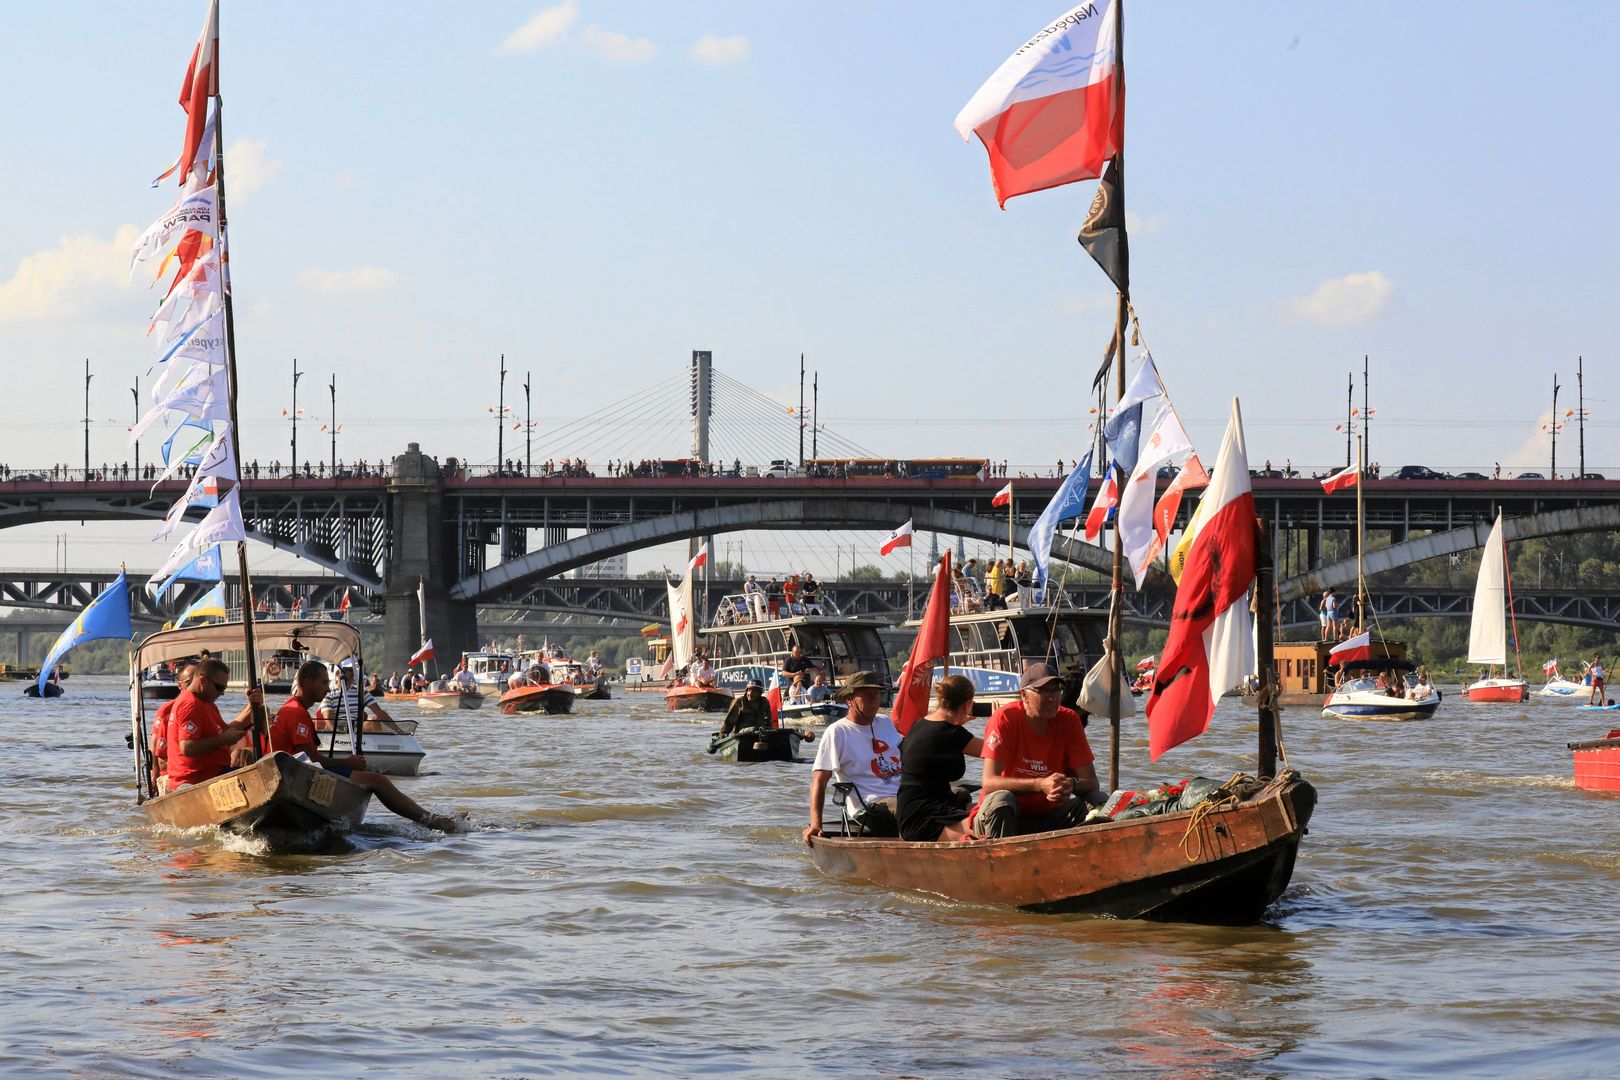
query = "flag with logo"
x=900 y=538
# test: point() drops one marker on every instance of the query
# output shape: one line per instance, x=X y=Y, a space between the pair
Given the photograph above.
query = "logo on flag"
x=900 y=538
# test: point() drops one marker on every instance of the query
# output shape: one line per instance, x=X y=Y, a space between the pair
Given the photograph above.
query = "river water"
x=625 y=905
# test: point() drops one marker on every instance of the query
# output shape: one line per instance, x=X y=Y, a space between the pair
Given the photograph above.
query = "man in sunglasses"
x=200 y=740
x=1038 y=771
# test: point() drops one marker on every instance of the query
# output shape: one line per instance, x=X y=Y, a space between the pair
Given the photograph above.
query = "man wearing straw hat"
x=862 y=749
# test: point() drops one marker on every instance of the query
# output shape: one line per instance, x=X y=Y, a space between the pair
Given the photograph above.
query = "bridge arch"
x=775 y=514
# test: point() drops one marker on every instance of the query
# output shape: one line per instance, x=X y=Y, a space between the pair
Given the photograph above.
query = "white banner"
x=224 y=522
x=196 y=211
x=1136 y=533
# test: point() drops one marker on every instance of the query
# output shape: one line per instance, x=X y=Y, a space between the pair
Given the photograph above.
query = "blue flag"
x=1123 y=431
x=106 y=617
x=205 y=567
x=1069 y=501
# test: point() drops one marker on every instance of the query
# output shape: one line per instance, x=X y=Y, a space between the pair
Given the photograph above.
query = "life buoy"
x=272 y=669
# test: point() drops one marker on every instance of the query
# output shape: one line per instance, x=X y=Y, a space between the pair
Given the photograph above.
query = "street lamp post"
x=87 y=418
x=296 y=376
x=500 y=422
x=528 y=430
x=333 y=388
x=136 y=393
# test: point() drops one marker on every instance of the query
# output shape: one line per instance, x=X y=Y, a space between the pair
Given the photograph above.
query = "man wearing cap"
x=755 y=595
x=862 y=749
x=750 y=710
x=1038 y=772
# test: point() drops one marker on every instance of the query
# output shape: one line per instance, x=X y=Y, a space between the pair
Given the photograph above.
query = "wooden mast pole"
x=1361 y=532
x=261 y=730
x=1265 y=653
x=1121 y=314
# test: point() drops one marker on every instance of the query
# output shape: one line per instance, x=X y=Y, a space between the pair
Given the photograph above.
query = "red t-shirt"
x=194 y=718
x=292 y=729
x=1062 y=749
x=160 y=735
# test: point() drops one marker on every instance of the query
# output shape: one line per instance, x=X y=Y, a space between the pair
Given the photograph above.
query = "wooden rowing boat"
x=696 y=699
x=1222 y=865
x=549 y=698
x=278 y=794
x=451 y=699
x=759 y=744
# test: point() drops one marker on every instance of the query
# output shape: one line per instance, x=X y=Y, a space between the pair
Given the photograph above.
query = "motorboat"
x=1366 y=694
x=759 y=744
x=696 y=699
x=554 y=698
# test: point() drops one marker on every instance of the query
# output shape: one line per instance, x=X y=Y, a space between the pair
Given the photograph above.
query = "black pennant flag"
x=1103 y=232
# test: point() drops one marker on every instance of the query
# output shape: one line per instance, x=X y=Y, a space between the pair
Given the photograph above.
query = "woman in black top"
x=931 y=759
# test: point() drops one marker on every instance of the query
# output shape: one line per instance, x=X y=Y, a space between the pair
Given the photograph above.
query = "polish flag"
x=200 y=84
x=900 y=538
x=1106 y=498
x=773 y=697
x=424 y=653
x=1003 y=497
x=1211 y=644
x=344 y=604
x=1346 y=478
x=1136 y=529
x=1054 y=113
x=1145 y=664
x=1550 y=668
x=700 y=559
x=931 y=647
x=1356 y=648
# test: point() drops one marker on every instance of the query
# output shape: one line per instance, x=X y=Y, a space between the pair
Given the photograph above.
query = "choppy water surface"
x=628 y=906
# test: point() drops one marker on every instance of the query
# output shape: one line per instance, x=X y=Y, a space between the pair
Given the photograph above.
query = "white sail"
x=682 y=631
x=1487 y=634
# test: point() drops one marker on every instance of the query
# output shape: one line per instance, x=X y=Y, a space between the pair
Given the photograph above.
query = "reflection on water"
x=626 y=904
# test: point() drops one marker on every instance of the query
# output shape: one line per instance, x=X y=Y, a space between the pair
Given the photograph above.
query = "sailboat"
x=1487 y=633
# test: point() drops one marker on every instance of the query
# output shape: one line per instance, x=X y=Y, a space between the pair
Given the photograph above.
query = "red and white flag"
x=932 y=646
x=343 y=605
x=1356 y=648
x=1107 y=496
x=1550 y=667
x=1347 y=478
x=1211 y=644
x=200 y=84
x=700 y=558
x=1147 y=663
x=1002 y=497
x=424 y=653
x=1136 y=531
x=1054 y=113
x=1191 y=477
x=900 y=538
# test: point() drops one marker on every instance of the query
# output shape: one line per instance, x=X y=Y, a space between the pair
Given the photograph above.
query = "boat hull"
x=593 y=692
x=276 y=795
x=1362 y=706
x=453 y=700
x=1497 y=691
x=696 y=699
x=385 y=752
x=1597 y=763
x=1565 y=692
x=1222 y=866
x=821 y=712
x=554 y=700
x=758 y=744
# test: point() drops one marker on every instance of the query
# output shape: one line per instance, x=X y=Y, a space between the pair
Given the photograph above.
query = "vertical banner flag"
x=1102 y=234
x=1211 y=646
x=932 y=646
x=682 y=632
x=196 y=211
x=107 y=616
x=1067 y=502
x=1107 y=497
x=1054 y=113
x=900 y=538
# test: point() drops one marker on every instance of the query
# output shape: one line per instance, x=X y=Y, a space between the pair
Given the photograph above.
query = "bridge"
x=504 y=540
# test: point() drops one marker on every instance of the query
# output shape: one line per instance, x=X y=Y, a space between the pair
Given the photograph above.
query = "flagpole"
x=1121 y=314
x=911 y=580
x=1361 y=532
x=1010 y=496
x=261 y=729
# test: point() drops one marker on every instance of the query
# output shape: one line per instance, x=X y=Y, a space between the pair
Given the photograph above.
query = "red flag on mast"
x=932 y=646
x=200 y=84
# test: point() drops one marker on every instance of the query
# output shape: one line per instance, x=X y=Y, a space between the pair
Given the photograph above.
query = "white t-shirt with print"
x=868 y=757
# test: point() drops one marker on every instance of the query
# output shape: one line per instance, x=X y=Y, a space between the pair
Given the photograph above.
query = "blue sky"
x=596 y=189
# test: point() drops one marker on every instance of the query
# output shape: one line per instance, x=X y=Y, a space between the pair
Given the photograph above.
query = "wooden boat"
x=1223 y=865
x=450 y=699
x=279 y=795
x=593 y=691
x=759 y=744
x=551 y=698
x=1597 y=761
x=696 y=699
x=1487 y=631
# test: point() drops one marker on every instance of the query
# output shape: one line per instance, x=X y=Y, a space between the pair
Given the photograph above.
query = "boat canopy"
x=1378 y=664
x=327 y=640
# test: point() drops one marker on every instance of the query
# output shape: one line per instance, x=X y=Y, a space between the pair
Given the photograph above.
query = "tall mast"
x=1553 y=428
x=1121 y=315
x=815 y=415
x=244 y=581
x=1366 y=415
x=1361 y=533
x=1580 y=409
x=500 y=422
x=1349 y=415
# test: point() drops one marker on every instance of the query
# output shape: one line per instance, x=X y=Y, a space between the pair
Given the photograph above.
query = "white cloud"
x=720 y=50
x=54 y=282
x=1145 y=224
x=361 y=279
x=547 y=24
x=247 y=168
x=1342 y=301
x=620 y=48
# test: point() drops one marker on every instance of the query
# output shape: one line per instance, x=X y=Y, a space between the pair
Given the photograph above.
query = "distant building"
x=614 y=566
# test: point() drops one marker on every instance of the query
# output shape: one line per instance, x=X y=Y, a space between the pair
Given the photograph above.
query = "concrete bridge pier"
x=421 y=560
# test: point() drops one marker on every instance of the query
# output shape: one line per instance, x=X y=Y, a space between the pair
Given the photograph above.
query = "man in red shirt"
x=160 y=731
x=1038 y=771
x=293 y=732
x=199 y=739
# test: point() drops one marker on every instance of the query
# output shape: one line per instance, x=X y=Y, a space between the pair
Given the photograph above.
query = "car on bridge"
x=1529 y=476
x=1418 y=472
x=1593 y=476
x=1470 y=476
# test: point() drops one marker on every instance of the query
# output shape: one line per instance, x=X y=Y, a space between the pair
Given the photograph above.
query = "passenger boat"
x=1359 y=697
x=450 y=699
x=992 y=647
x=491 y=669
x=553 y=698
x=1597 y=762
x=1487 y=633
x=696 y=699
x=159 y=684
x=283 y=797
x=743 y=650
x=759 y=744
